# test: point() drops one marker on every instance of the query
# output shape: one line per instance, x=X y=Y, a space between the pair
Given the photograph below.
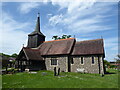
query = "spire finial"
x=38 y=14
x=23 y=45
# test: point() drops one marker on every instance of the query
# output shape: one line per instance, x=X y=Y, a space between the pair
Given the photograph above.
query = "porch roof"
x=32 y=54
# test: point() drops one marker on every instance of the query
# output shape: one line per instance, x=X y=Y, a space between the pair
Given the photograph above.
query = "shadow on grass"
x=110 y=73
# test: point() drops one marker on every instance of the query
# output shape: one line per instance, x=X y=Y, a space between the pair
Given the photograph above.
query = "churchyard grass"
x=65 y=80
x=0 y=82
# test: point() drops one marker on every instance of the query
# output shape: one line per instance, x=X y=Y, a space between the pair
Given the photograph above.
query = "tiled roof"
x=57 y=47
x=65 y=47
x=89 y=47
x=32 y=54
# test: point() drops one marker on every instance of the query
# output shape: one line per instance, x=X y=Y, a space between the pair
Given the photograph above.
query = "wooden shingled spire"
x=37 y=27
x=36 y=37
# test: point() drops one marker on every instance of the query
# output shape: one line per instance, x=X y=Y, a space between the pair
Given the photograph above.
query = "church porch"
x=30 y=59
x=32 y=65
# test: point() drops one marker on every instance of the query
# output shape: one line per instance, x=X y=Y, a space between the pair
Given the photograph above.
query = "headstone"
x=54 y=71
x=102 y=75
x=33 y=72
x=26 y=70
x=6 y=69
x=44 y=73
x=58 y=71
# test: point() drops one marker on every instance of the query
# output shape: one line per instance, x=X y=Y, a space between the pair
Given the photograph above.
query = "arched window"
x=72 y=62
x=93 y=60
x=82 y=60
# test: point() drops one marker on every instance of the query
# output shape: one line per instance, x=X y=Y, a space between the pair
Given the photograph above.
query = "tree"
x=12 y=63
x=68 y=36
x=55 y=37
x=14 y=55
x=59 y=38
x=63 y=37
x=118 y=61
x=4 y=55
x=117 y=58
x=107 y=63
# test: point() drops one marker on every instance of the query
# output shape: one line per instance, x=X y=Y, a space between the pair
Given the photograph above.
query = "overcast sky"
x=85 y=20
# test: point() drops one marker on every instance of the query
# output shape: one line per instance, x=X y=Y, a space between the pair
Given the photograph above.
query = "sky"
x=85 y=20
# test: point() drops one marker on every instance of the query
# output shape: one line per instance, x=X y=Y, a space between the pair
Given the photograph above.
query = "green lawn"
x=67 y=80
x=0 y=82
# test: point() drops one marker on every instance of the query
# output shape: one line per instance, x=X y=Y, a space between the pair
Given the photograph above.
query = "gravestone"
x=54 y=71
x=58 y=71
x=44 y=73
x=102 y=75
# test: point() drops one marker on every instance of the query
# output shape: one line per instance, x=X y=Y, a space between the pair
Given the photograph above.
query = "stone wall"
x=87 y=64
x=62 y=63
x=102 y=71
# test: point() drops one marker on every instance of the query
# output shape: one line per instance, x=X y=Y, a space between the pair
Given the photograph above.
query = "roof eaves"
x=25 y=54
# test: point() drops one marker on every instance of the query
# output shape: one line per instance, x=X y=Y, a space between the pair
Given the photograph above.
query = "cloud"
x=72 y=5
x=77 y=18
x=55 y=19
x=111 y=48
x=111 y=43
x=57 y=0
x=80 y=15
x=28 y=6
x=110 y=56
x=87 y=18
x=88 y=25
x=13 y=34
x=49 y=14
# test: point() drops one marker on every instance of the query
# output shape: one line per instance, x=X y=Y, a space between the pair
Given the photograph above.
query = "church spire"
x=36 y=37
x=37 y=28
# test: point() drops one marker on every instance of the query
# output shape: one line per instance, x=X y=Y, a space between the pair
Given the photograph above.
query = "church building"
x=67 y=54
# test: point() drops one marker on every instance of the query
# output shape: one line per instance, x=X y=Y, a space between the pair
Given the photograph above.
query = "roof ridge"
x=88 y=40
x=58 y=40
x=30 y=48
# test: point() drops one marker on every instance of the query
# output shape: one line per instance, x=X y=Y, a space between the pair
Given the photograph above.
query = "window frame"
x=53 y=61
